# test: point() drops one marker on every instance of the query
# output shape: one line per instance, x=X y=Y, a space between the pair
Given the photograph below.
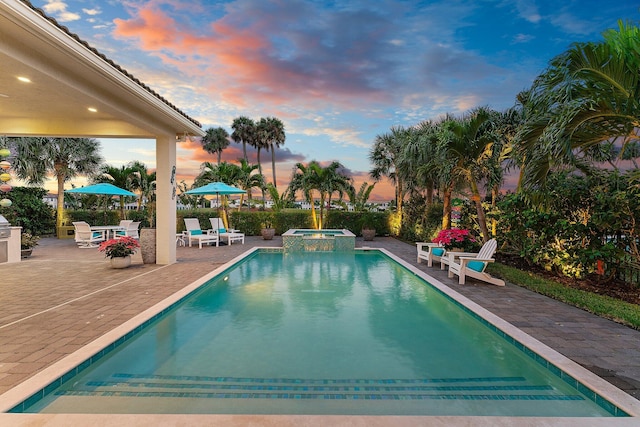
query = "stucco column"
x=165 y=199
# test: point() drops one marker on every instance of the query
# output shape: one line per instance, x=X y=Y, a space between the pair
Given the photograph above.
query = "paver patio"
x=64 y=297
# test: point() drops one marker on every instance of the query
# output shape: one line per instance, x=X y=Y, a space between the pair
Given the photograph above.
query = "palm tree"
x=64 y=157
x=243 y=130
x=588 y=96
x=418 y=161
x=323 y=180
x=359 y=199
x=143 y=182
x=273 y=133
x=280 y=201
x=248 y=180
x=385 y=155
x=468 y=143
x=224 y=172
x=122 y=177
x=215 y=141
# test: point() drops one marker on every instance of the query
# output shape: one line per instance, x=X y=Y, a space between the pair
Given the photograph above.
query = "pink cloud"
x=263 y=54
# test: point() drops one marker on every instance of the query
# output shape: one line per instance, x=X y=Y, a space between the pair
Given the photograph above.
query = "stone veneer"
x=323 y=240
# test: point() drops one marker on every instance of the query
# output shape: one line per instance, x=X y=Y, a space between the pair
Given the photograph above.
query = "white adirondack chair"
x=474 y=264
x=431 y=252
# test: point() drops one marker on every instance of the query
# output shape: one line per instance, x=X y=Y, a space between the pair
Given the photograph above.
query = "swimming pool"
x=316 y=333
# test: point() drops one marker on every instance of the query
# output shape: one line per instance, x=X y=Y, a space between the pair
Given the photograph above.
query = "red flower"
x=456 y=238
x=120 y=247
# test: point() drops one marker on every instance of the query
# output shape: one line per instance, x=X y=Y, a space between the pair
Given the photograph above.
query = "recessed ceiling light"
x=24 y=79
x=93 y=110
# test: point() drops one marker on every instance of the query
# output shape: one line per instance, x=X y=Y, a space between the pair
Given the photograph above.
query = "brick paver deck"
x=64 y=297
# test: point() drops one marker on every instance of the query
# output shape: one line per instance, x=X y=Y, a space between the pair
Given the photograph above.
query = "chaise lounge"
x=195 y=233
x=230 y=234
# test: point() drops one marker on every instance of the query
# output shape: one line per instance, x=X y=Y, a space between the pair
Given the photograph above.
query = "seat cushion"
x=222 y=230
x=437 y=251
x=476 y=265
x=195 y=232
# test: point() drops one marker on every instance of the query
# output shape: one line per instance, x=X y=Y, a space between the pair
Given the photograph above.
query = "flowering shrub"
x=454 y=238
x=28 y=241
x=121 y=247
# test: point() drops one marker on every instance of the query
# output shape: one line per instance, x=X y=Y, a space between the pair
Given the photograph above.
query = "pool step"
x=492 y=388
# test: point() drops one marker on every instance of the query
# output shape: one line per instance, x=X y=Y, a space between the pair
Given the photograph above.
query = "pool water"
x=318 y=333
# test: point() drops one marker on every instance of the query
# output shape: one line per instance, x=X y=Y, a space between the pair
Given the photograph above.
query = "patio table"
x=110 y=229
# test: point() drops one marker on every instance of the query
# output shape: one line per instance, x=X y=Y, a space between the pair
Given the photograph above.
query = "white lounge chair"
x=195 y=233
x=131 y=230
x=474 y=264
x=431 y=252
x=230 y=235
x=85 y=237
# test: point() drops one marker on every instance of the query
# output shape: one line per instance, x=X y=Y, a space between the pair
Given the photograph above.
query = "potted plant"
x=457 y=240
x=267 y=230
x=119 y=250
x=27 y=242
x=368 y=227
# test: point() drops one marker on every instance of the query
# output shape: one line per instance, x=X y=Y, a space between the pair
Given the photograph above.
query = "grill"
x=5 y=231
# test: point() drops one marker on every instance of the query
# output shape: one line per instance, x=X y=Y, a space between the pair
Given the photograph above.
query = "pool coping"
x=39 y=381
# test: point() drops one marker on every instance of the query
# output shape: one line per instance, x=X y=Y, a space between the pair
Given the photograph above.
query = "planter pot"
x=368 y=234
x=456 y=250
x=26 y=253
x=268 y=233
x=148 y=245
x=121 y=261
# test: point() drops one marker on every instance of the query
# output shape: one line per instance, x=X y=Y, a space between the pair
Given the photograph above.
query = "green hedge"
x=92 y=216
x=250 y=223
x=355 y=221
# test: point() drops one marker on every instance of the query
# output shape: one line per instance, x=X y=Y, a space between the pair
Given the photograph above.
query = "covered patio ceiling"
x=67 y=78
x=54 y=84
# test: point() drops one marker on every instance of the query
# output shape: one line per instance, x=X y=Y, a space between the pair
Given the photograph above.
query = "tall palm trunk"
x=482 y=220
x=494 y=199
x=264 y=199
x=273 y=165
x=123 y=214
x=399 y=196
x=314 y=215
x=60 y=176
x=446 y=208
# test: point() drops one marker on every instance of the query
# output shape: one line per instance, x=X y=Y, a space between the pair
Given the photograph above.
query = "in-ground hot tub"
x=301 y=240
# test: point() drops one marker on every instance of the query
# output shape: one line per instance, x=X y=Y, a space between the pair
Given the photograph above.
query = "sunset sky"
x=337 y=73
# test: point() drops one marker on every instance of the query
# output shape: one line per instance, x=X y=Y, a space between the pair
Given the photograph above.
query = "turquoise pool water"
x=318 y=333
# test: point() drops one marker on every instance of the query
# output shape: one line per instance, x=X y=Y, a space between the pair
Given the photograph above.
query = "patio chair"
x=124 y=223
x=431 y=252
x=231 y=235
x=131 y=230
x=474 y=264
x=87 y=238
x=195 y=233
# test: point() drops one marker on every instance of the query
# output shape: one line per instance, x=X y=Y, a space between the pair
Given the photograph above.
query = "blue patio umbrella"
x=102 y=188
x=216 y=188
x=105 y=189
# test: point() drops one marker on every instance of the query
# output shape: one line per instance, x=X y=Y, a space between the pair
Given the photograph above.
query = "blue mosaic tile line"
x=319 y=396
x=318 y=381
x=137 y=384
